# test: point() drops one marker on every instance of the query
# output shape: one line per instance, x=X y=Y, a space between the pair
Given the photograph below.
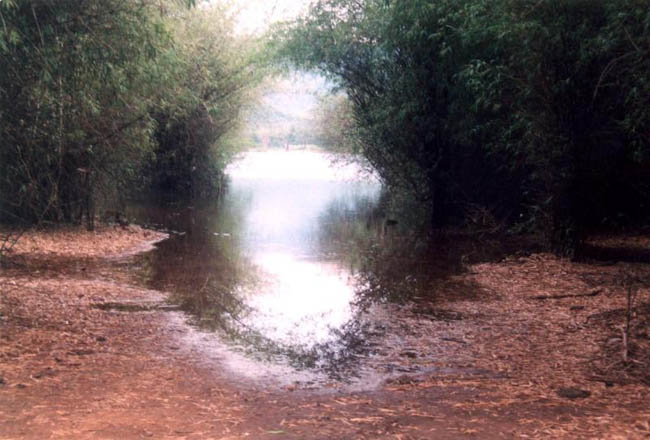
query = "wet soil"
x=482 y=358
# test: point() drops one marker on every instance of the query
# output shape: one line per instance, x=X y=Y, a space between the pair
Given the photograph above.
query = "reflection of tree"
x=347 y=227
x=202 y=267
x=210 y=276
x=414 y=268
x=353 y=232
x=400 y=264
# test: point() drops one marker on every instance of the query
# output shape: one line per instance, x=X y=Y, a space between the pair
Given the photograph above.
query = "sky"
x=256 y=15
x=297 y=95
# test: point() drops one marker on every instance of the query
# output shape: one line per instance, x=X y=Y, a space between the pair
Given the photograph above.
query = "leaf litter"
x=488 y=366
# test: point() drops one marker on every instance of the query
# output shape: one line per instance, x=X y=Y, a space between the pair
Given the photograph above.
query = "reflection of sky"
x=301 y=296
x=283 y=214
x=286 y=193
x=300 y=300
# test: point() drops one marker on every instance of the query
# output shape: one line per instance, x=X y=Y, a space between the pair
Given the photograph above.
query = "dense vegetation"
x=101 y=98
x=521 y=112
x=213 y=76
x=512 y=112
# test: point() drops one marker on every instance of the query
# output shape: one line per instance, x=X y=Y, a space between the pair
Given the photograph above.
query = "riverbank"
x=78 y=243
x=530 y=348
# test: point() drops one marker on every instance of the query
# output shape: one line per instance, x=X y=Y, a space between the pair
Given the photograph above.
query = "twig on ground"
x=578 y=295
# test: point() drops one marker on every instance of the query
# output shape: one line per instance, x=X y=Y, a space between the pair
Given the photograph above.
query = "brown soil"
x=508 y=353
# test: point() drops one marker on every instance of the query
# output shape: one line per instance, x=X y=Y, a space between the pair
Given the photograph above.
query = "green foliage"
x=335 y=125
x=531 y=110
x=74 y=102
x=92 y=91
x=212 y=75
x=399 y=65
x=568 y=81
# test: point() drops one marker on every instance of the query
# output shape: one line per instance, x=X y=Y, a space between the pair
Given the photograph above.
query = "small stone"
x=573 y=393
x=101 y=339
x=2 y=381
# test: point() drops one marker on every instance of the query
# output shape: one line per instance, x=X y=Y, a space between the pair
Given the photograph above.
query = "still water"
x=270 y=267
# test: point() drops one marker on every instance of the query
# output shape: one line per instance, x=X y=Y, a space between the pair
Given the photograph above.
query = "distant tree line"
x=104 y=98
x=534 y=111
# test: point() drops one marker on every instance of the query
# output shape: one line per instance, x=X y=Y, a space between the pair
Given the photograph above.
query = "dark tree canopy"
x=534 y=111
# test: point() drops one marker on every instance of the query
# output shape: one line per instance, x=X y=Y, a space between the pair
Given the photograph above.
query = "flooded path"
x=88 y=351
x=269 y=268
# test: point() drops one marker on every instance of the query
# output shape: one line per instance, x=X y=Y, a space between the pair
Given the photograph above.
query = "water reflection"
x=262 y=266
x=300 y=299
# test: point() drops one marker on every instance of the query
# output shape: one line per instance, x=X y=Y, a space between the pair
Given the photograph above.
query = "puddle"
x=263 y=269
x=291 y=279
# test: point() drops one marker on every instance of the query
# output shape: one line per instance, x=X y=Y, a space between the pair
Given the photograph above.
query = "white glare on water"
x=301 y=300
x=302 y=294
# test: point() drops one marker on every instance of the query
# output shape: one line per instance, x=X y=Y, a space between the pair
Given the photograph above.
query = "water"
x=270 y=267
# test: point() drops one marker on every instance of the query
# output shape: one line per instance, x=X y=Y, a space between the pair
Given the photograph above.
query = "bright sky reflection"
x=302 y=299
x=302 y=294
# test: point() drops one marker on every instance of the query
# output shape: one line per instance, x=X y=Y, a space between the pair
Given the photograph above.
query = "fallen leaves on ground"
x=105 y=241
x=486 y=365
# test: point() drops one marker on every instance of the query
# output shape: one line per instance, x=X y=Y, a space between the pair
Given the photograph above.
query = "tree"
x=93 y=91
x=399 y=64
x=335 y=125
x=211 y=75
x=534 y=110
x=571 y=96
x=75 y=91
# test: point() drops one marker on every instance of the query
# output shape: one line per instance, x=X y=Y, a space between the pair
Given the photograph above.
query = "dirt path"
x=72 y=370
